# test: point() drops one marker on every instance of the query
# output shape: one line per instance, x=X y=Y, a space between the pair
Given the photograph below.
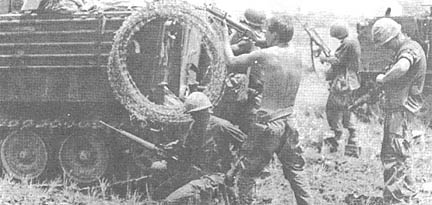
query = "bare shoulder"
x=276 y=50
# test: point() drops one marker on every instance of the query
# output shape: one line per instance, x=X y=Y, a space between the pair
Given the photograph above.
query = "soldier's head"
x=387 y=33
x=339 y=30
x=280 y=30
x=255 y=18
x=198 y=105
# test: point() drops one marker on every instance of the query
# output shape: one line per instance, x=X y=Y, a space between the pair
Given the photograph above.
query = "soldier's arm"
x=240 y=61
x=235 y=134
x=397 y=70
x=242 y=47
x=342 y=57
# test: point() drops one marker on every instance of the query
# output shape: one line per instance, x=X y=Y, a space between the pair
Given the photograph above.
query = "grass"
x=58 y=192
x=333 y=176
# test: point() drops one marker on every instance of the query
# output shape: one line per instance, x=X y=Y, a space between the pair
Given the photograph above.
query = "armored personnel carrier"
x=61 y=73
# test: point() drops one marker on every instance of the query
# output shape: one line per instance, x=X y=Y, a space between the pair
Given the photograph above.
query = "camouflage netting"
x=121 y=80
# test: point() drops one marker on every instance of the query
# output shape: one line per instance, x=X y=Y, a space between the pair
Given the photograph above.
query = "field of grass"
x=331 y=176
x=334 y=176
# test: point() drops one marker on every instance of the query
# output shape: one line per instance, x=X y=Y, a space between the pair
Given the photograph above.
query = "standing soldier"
x=241 y=110
x=211 y=145
x=241 y=43
x=403 y=85
x=275 y=132
x=343 y=81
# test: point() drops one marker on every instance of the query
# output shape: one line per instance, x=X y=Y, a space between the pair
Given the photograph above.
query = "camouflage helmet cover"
x=197 y=101
x=384 y=30
x=255 y=17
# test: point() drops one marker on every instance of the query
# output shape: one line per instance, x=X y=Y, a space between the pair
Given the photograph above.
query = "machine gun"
x=315 y=39
x=239 y=27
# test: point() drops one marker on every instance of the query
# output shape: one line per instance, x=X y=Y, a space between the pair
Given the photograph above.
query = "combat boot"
x=352 y=149
x=332 y=143
x=352 y=139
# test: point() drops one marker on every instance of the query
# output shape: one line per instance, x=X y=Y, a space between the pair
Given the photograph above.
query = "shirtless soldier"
x=275 y=131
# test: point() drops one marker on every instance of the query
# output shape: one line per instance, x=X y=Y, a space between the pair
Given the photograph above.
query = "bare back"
x=282 y=75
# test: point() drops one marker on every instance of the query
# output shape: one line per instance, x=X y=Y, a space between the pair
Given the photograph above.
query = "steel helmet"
x=197 y=101
x=339 y=30
x=384 y=30
x=255 y=17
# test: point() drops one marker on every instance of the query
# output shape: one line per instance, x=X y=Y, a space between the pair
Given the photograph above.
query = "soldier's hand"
x=323 y=59
x=380 y=78
x=159 y=165
x=225 y=30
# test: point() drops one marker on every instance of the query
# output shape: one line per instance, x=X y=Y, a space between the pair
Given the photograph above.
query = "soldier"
x=241 y=109
x=255 y=20
x=344 y=80
x=403 y=85
x=211 y=145
x=275 y=132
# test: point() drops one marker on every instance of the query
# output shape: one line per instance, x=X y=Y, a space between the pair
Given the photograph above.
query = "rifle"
x=315 y=38
x=372 y=96
x=148 y=145
x=239 y=27
x=229 y=176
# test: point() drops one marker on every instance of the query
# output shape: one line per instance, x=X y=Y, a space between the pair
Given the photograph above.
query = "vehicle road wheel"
x=84 y=158
x=24 y=155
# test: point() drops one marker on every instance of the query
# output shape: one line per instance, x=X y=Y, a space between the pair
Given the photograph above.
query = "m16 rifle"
x=240 y=27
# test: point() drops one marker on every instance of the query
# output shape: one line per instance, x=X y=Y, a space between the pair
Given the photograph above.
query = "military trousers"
x=396 y=157
x=278 y=137
x=200 y=191
x=338 y=115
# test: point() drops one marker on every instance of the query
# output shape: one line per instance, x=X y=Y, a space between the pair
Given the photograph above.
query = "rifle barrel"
x=131 y=136
x=237 y=26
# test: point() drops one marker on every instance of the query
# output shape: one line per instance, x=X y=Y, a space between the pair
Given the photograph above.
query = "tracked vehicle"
x=62 y=73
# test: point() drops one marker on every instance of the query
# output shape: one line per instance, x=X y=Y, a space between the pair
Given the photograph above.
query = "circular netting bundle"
x=121 y=80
